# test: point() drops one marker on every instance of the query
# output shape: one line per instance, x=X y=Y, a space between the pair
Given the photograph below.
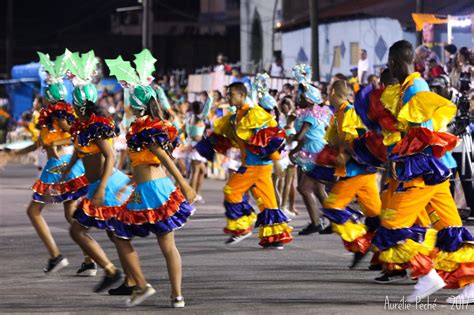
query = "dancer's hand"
x=190 y=194
x=98 y=198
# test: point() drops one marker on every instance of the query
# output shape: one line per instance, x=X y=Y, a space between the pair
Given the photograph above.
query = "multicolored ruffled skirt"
x=155 y=206
x=49 y=188
x=103 y=217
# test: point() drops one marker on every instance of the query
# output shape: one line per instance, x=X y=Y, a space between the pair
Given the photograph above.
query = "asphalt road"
x=310 y=276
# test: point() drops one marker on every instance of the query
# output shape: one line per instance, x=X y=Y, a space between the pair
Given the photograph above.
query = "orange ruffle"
x=284 y=237
x=79 y=126
x=60 y=188
x=102 y=213
x=361 y=244
x=419 y=138
x=237 y=232
x=152 y=216
x=455 y=279
x=420 y=265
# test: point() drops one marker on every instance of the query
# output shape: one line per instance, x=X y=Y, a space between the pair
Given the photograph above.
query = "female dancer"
x=156 y=205
x=311 y=121
x=55 y=121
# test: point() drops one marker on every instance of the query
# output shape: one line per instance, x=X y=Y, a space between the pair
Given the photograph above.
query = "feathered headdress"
x=55 y=71
x=302 y=74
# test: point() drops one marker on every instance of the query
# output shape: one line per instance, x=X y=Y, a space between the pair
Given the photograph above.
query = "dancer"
x=419 y=153
x=357 y=179
x=254 y=131
x=156 y=205
x=310 y=124
x=55 y=121
x=108 y=188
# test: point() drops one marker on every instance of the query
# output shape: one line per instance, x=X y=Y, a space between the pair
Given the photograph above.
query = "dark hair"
x=92 y=108
x=204 y=93
x=340 y=76
x=219 y=94
x=402 y=51
x=464 y=51
x=238 y=86
x=451 y=49
x=237 y=69
x=196 y=107
x=386 y=78
x=288 y=86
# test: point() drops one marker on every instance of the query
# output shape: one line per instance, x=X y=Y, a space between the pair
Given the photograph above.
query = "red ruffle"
x=327 y=157
x=419 y=138
x=420 y=265
x=60 y=188
x=146 y=122
x=45 y=112
x=361 y=244
x=152 y=216
x=102 y=213
x=377 y=112
x=237 y=232
x=452 y=278
x=220 y=143
x=284 y=237
x=263 y=137
x=79 y=126
x=374 y=143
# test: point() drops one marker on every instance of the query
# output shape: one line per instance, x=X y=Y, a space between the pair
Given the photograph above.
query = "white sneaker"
x=236 y=239
x=288 y=213
x=466 y=296
x=427 y=285
x=138 y=296
x=178 y=302
x=199 y=199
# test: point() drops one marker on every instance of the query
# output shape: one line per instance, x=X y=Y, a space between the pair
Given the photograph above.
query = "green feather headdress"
x=81 y=70
x=55 y=72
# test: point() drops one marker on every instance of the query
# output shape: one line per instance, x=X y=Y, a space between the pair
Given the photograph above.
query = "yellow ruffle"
x=275 y=229
x=255 y=118
x=223 y=127
x=391 y=98
x=390 y=138
x=351 y=123
x=404 y=252
x=424 y=106
x=331 y=134
x=449 y=261
x=243 y=223
x=349 y=231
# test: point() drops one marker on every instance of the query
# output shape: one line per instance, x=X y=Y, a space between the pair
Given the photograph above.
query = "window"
x=354 y=53
x=337 y=57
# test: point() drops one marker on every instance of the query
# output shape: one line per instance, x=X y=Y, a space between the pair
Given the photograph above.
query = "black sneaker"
x=123 y=289
x=393 y=276
x=276 y=245
x=357 y=259
x=376 y=267
x=108 y=281
x=310 y=229
x=56 y=264
x=87 y=270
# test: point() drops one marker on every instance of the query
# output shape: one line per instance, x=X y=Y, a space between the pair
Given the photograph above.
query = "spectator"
x=220 y=66
x=276 y=69
x=354 y=81
x=435 y=69
x=449 y=53
x=237 y=76
x=364 y=68
x=4 y=122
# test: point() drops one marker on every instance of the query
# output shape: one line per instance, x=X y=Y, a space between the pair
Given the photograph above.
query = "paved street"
x=309 y=276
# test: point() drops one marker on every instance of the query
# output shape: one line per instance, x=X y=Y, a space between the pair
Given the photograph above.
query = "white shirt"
x=363 y=65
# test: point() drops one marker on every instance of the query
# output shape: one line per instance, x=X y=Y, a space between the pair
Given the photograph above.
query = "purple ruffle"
x=149 y=136
x=87 y=221
x=234 y=211
x=373 y=223
x=174 y=222
x=363 y=155
x=386 y=238
x=361 y=106
x=274 y=145
x=270 y=217
x=410 y=167
x=342 y=216
x=205 y=149
x=452 y=238
x=62 y=114
x=61 y=198
x=322 y=173
x=95 y=131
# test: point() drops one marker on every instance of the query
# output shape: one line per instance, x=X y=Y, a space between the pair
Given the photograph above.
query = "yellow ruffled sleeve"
x=255 y=118
x=424 y=106
x=331 y=133
x=350 y=124
x=391 y=98
x=223 y=127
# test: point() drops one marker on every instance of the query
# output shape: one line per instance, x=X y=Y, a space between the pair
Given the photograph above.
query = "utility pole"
x=313 y=14
x=9 y=38
x=147 y=24
x=419 y=9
